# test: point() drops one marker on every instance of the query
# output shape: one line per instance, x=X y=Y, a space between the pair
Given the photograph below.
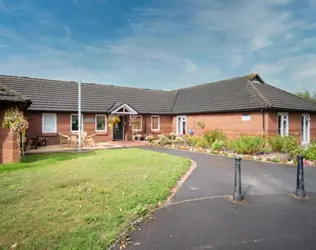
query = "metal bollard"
x=300 y=191
x=237 y=196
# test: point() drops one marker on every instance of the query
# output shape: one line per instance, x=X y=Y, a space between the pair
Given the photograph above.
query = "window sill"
x=155 y=131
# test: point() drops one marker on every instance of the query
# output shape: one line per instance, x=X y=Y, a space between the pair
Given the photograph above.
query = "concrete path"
x=200 y=217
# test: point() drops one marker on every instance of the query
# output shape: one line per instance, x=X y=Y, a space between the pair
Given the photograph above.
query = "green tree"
x=311 y=96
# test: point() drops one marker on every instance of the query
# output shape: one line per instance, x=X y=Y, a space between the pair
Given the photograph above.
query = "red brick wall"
x=63 y=126
x=165 y=125
x=8 y=142
x=294 y=124
x=231 y=123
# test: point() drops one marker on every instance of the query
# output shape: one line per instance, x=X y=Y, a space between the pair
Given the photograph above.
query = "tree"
x=311 y=96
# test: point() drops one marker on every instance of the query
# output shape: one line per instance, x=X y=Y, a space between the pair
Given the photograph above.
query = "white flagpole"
x=79 y=110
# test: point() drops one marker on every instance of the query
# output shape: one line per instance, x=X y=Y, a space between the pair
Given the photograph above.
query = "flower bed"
x=259 y=147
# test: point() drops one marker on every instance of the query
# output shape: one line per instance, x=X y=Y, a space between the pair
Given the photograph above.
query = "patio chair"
x=83 y=138
x=90 y=140
x=73 y=140
x=64 y=139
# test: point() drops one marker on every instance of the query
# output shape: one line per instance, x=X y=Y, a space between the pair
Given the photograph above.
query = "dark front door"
x=118 y=130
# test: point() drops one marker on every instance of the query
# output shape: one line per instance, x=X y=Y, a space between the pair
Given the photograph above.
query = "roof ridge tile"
x=269 y=105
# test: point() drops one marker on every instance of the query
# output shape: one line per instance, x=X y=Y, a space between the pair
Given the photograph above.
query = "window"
x=100 y=123
x=49 y=123
x=74 y=122
x=155 y=122
x=245 y=117
x=305 y=128
x=181 y=125
x=137 y=126
x=283 y=124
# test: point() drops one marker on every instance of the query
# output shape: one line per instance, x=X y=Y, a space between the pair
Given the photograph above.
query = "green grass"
x=81 y=201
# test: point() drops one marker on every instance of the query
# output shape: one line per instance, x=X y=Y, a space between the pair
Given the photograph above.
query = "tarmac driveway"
x=215 y=175
x=200 y=217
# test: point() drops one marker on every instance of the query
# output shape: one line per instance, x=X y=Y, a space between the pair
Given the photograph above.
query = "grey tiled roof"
x=9 y=95
x=227 y=95
x=51 y=95
x=236 y=94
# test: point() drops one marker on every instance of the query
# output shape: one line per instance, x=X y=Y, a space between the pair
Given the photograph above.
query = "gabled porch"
x=123 y=130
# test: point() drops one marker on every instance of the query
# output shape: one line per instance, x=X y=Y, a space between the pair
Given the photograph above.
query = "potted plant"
x=113 y=119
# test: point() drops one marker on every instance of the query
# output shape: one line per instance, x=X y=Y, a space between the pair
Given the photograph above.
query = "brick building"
x=238 y=105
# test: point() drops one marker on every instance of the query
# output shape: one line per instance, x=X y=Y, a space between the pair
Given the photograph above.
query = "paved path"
x=199 y=216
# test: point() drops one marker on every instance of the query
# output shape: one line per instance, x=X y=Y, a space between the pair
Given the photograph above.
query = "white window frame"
x=186 y=125
x=246 y=117
x=96 y=124
x=306 y=116
x=141 y=123
x=287 y=121
x=55 y=125
x=151 y=122
x=82 y=123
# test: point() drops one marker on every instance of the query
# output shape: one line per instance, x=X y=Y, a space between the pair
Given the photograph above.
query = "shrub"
x=214 y=135
x=286 y=144
x=191 y=140
x=202 y=142
x=217 y=145
x=247 y=144
x=290 y=144
x=178 y=141
x=276 y=143
x=164 y=140
x=310 y=152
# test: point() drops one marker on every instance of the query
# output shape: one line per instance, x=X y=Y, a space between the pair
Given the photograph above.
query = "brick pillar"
x=8 y=148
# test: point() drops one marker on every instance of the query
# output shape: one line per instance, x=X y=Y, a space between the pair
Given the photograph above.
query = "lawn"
x=81 y=201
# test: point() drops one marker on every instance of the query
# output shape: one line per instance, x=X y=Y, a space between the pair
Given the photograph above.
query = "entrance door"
x=305 y=124
x=181 y=125
x=118 y=129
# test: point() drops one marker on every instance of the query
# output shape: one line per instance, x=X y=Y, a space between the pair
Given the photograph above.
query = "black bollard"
x=237 y=185
x=300 y=191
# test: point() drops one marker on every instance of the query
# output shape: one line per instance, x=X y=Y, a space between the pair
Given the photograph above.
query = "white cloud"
x=175 y=43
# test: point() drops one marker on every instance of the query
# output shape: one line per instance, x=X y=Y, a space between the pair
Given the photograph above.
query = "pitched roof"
x=53 y=95
x=244 y=93
x=9 y=95
x=247 y=93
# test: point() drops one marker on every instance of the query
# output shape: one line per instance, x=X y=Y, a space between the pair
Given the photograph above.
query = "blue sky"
x=160 y=44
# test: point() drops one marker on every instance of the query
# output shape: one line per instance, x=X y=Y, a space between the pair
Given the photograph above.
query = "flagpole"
x=79 y=110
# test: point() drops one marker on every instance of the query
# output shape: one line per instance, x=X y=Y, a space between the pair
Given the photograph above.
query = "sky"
x=160 y=44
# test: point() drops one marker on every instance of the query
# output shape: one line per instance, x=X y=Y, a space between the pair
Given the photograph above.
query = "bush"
x=171 y=136
x=214 y=135
x=217 y=145
x=202 y=142
x=290 y=144
x=310 y=152
x=178 y=141
x=191 y=140
x=248 y=144
x=276 y=143
x=164 y=140
x=286 y=144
